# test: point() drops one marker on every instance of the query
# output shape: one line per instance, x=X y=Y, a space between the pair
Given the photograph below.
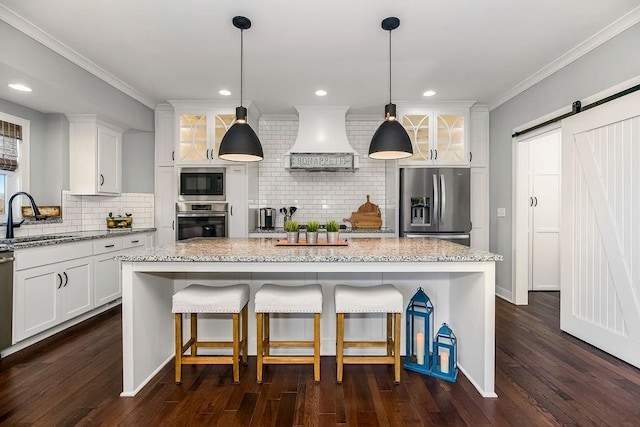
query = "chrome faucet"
x=10 y=224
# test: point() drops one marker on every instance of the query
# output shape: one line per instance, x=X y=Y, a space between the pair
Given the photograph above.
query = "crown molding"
x=39 y=35
x=598 y=39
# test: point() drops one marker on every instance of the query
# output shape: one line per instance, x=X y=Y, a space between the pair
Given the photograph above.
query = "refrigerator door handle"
x=444 y=198
x=436 y=201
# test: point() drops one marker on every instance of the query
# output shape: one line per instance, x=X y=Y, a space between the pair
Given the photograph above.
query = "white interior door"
x=600 y=244
x=545 y=212
x=536 y=230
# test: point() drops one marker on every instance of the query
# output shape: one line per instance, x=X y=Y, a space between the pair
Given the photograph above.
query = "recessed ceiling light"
x=321 y=92
x=429 y=93
x=20 y=87
x=224 y=92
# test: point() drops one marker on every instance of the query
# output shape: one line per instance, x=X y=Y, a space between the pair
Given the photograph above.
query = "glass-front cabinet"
x=200 y=134
x=439 y=138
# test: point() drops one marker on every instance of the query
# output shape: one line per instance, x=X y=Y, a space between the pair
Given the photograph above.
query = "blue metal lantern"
x=444 y=363
x=419 y=330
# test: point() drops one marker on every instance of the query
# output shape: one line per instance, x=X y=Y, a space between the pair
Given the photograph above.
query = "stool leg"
x=194 y=334
x=245 y=334
x=259 y=332
x=389 y=334
x=316 y=347
x=396 y=351
x=178 y=364
x=340 y=345
x=267 y=328
x=236 y=348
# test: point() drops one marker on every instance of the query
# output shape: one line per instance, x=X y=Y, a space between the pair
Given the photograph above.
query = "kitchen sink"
x=30 y=239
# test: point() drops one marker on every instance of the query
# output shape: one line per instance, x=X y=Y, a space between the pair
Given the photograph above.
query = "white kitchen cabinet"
x=107 y=280
x=164 y=135
x=480 y=208
x=48 y=295
x=107 y=284
x=165 y=200
x=95 y=155
x=236 y=177
x=440 y=137
x=200 y=134
x=479 y=138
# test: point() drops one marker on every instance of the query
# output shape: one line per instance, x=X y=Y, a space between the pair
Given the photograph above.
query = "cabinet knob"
x=101 y=179
x=66 y=278
x=59 y=277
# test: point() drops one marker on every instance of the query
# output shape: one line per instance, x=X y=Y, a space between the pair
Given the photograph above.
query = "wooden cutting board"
x=367 y=216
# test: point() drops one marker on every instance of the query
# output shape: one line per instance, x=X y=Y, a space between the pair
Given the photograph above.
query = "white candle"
x=420 y=348
x=444 y=361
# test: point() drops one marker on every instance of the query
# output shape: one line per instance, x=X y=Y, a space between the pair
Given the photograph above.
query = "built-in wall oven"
x=201 y=184
x=201 y=219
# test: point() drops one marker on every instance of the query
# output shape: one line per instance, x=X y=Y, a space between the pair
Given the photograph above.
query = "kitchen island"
x=459 y=280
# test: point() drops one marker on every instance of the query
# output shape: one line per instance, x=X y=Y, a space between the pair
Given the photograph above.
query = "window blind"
x=10 y=134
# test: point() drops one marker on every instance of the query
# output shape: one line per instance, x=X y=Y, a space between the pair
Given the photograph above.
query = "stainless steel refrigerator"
x=435 y=202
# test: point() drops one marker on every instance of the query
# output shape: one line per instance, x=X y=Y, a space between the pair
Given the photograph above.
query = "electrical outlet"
x=502 y=212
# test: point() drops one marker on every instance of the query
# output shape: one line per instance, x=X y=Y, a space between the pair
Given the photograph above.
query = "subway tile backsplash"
x=89 y=213
x=318 y=196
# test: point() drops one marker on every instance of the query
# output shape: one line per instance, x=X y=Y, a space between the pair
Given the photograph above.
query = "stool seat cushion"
x=368 y=299
x=210 y=299
x=272 y=298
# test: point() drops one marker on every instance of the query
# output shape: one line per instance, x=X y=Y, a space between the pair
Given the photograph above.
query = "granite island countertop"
x=24 y=242
x=264 y=250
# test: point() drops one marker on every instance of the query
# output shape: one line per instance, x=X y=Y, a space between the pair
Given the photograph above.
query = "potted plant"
x=333 y=229
x=312 y=232
x=291 y=227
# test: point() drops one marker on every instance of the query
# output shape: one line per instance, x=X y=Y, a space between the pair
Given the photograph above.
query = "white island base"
x=462 y=293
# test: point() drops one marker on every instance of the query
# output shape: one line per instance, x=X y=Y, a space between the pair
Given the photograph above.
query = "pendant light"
x=391 y=140
x=240 y=143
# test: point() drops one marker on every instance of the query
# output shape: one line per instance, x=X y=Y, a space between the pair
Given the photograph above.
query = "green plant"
x=290 y=226
x=333 y=226
x=312 y=226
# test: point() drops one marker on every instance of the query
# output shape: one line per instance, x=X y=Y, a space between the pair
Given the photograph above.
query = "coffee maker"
x=267 y=218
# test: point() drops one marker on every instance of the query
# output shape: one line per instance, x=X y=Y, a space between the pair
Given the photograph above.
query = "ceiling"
x=157 y=50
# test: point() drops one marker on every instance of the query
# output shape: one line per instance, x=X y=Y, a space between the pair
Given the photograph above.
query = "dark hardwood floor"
x=543 y=377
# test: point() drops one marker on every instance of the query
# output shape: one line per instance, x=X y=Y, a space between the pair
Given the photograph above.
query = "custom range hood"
x=322 y=144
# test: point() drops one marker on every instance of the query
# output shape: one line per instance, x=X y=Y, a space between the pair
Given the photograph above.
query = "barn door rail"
x=576 y=108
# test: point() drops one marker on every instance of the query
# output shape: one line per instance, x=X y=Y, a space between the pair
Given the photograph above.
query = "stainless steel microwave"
x=200 y=184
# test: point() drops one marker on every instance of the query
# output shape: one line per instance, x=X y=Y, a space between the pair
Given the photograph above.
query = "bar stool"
x=287 y=299
x=196 y=299
x=371 y=299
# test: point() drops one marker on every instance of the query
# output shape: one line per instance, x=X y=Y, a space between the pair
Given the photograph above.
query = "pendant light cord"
x=241 y=57
x=389 y=66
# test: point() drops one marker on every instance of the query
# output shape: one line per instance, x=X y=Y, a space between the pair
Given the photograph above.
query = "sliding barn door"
x=600 y=228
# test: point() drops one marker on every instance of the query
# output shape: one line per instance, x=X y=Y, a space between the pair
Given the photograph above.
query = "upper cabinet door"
x=418 y=127
x=439 y=137
x=450 y=146
x=199 y=136
x=165 y=143
x=193 y=146
x=95 y=156
x=109 y=160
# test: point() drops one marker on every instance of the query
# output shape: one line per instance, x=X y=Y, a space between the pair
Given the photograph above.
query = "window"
x=14 y=147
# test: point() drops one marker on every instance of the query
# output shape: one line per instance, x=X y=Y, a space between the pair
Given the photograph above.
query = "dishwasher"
x=6 y=298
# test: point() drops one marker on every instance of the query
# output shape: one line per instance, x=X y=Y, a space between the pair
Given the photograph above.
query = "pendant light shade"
x=240 y=143
x=391 y=140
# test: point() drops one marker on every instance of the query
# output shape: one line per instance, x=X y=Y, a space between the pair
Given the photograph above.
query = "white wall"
x=319 y=195
x=612 y=63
